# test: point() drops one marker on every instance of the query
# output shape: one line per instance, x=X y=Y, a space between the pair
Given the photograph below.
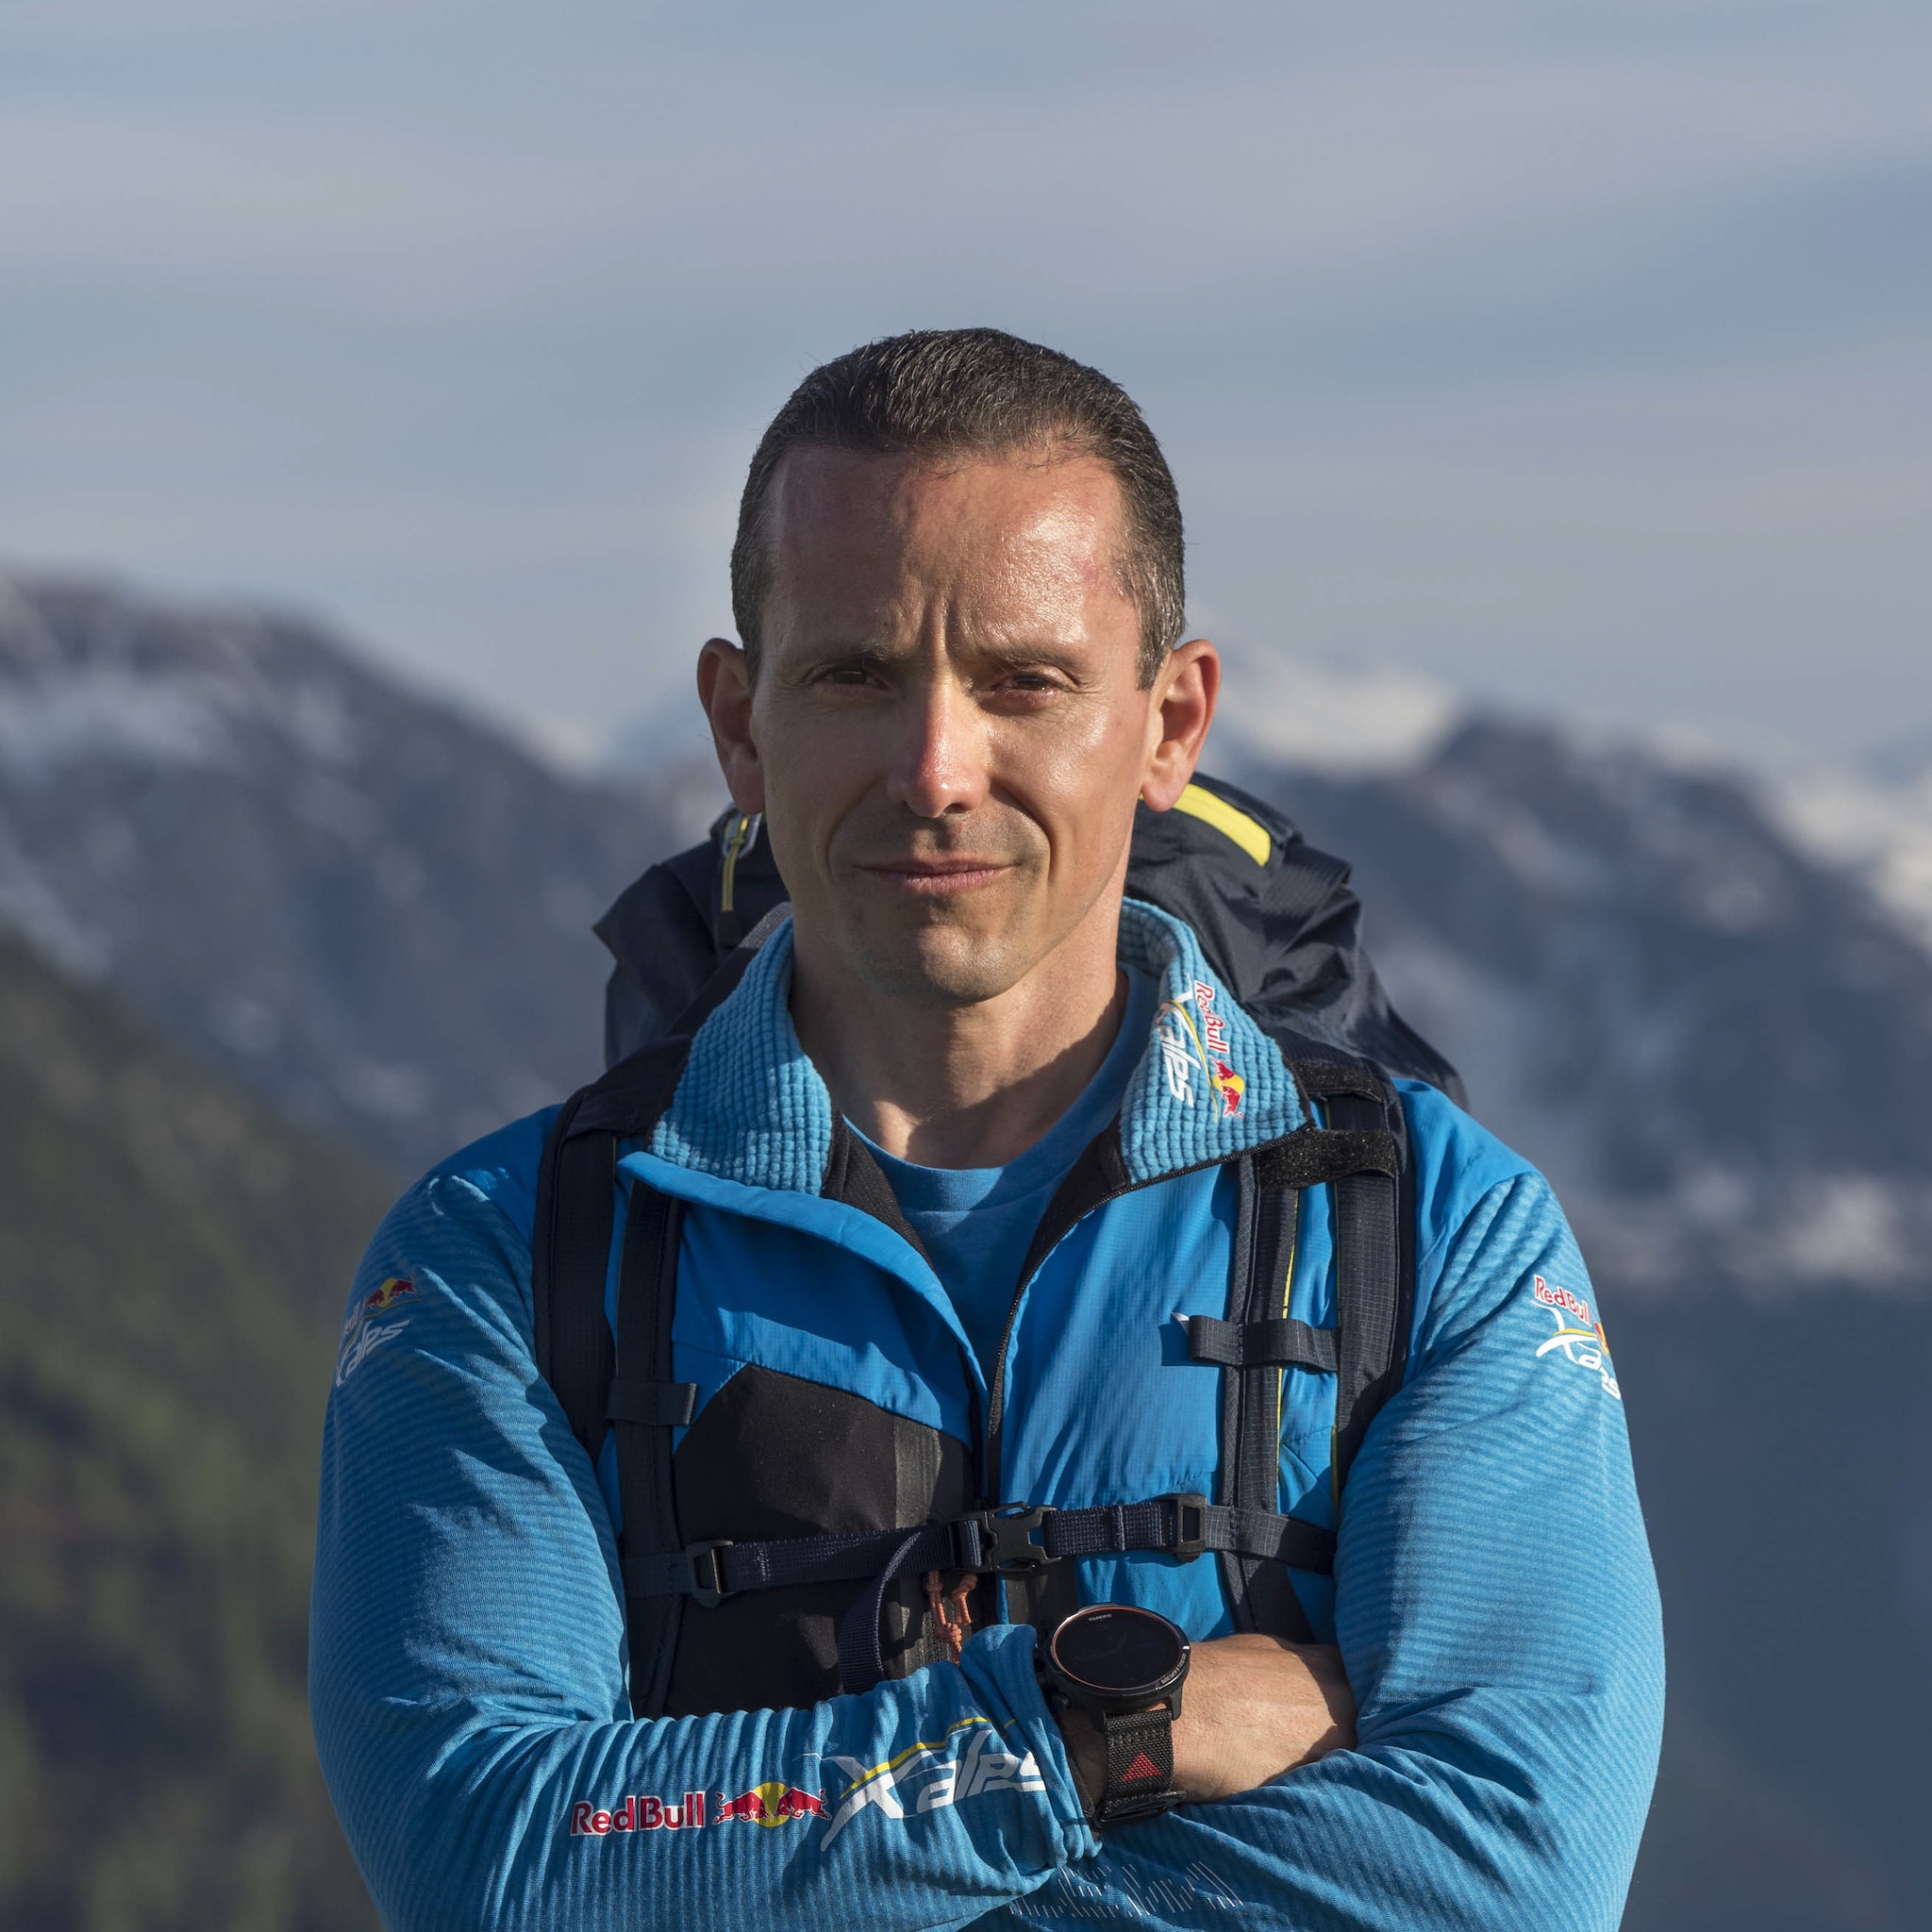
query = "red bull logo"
x=1184 y=1045
x=638 y=1813
x=388 y=1294
x=363 y=1334
x=775 y=1803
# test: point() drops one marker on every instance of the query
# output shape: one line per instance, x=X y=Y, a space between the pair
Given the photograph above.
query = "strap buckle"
x=1006 y=1539
x=707 y=1585
x=1190 y=1525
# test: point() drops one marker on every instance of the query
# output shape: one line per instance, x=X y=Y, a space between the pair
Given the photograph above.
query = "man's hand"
x=1252 y=1708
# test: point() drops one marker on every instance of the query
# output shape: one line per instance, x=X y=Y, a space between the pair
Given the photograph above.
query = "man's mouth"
x=937 y=877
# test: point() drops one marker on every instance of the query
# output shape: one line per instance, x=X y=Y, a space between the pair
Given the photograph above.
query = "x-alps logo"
x=1197 y=1040
x=366 y=1330
x=969 y=1762
x=1579 y=1336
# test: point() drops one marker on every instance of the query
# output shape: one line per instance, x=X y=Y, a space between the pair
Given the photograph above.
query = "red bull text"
x=638 y=1814
x=772 y=1804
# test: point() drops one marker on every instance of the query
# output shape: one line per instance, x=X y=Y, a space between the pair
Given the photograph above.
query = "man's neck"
x=972 y=1086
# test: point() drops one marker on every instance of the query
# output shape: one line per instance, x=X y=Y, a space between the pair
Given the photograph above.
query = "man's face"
x=947 y=732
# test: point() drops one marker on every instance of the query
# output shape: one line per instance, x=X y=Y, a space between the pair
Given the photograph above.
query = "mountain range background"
x=283 y=931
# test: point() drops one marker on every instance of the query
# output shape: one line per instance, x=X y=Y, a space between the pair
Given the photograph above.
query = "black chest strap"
x=1013 y=1540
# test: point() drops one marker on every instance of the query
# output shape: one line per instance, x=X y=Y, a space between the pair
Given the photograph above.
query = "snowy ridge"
x=1711 y=1039
x=1277 y=709
x=1881 y=831
x=357 y=899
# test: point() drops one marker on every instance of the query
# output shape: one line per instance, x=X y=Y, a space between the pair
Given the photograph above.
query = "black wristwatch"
x=1124 y=1668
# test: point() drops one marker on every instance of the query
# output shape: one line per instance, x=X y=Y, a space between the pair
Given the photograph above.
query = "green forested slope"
x=172 y=1260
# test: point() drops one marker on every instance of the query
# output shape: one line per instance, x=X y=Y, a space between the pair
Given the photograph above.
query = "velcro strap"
x=1284 y=1344
x=1139 y=1765
x=1327 y=1076
x=670 y=1403
x=1184 y=1526
x=1312 y=1157
x=1113 y=1528
x=1274 y=1539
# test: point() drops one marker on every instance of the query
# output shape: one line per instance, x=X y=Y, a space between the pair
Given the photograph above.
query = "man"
x=933 y=1203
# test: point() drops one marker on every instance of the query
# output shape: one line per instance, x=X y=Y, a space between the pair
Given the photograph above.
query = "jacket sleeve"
x=1498 y=1620
x=467 y=1687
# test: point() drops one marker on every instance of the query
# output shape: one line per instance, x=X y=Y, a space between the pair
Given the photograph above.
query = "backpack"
x=808 y=1582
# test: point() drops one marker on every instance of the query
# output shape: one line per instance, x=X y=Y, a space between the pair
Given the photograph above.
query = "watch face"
x=1117 y=1649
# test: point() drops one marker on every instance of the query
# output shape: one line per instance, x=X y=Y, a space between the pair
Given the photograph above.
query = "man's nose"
x=940 y=760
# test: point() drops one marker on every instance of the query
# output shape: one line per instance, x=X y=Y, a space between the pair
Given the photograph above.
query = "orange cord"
x=949 y=1609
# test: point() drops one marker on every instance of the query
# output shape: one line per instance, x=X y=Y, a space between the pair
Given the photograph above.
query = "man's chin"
x=941 y=966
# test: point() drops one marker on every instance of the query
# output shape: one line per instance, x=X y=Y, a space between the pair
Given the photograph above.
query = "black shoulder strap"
x=570 y=1254
x=624 y=1386
x=645 y=1405
x=1258 y=1593
x=576 y=1213
x=1375 y=1250
x=1363 y=1155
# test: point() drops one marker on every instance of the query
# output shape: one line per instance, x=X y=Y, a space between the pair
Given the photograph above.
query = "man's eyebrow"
x=874 y=654
x=845 y=651
x=1024 y=652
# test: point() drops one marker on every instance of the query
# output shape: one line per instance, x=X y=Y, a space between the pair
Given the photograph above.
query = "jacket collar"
x=1209 y=1084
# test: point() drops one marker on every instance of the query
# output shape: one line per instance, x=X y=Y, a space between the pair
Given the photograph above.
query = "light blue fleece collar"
x=1209 y=1084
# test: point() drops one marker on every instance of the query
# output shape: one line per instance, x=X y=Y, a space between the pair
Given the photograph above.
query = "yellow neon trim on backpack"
x=1199 y=803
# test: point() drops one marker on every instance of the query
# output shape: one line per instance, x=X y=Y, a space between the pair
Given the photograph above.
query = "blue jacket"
x=1494 y=1597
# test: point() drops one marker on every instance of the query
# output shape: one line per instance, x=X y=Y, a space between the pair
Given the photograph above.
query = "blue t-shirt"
x=975 y=1223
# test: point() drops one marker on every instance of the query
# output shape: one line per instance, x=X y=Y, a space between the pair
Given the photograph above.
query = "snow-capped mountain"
x=1711 y=1039
x=371 y=907
x=1874 y=820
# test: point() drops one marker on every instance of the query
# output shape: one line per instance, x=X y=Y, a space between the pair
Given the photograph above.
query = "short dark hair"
x=975 y=391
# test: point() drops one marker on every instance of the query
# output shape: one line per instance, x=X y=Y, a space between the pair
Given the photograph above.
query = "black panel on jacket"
x=775 y=1456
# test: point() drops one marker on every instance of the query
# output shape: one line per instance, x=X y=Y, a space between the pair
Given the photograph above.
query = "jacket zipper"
x=740 y=835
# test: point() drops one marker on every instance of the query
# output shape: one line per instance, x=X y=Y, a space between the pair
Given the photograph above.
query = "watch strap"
x=1139 y=1765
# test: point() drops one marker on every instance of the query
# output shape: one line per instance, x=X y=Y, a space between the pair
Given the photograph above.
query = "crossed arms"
x=1495 y=1615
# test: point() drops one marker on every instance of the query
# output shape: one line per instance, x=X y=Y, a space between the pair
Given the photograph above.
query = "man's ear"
x=724 y=690
x=1185 y=694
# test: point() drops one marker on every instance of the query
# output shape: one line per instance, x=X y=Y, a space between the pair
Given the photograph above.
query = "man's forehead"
x=887 y=506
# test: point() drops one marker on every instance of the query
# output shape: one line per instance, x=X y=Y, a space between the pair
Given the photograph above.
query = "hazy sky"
x=1576 y=351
